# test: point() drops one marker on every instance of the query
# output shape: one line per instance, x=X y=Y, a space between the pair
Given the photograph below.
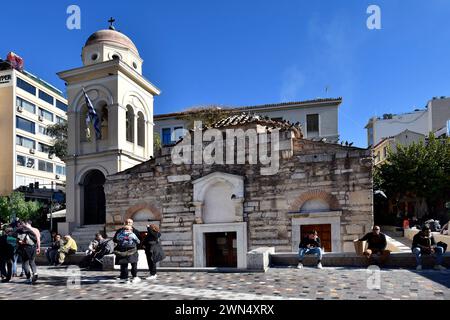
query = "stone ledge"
x=350 y=259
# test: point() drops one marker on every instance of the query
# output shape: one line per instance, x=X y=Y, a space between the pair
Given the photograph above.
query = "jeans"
x=438 y=251
x=14 y=265
x=151 y=264
x=27 y=265
x=315 y=250
x=6 y=268
x=51 y=255
x=124 y=270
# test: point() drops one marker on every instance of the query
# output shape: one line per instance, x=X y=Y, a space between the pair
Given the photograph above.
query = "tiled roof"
x=251 y=118
x=263 y=106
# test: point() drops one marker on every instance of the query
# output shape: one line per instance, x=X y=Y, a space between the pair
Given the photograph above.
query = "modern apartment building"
x=318 y=118
x=433 y=118
x=29 y=105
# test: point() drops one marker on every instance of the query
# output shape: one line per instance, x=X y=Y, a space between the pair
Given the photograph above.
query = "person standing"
x=28 y=239
x=7 y=248
x=153 y=249
x=126 y=253
x=376 y=245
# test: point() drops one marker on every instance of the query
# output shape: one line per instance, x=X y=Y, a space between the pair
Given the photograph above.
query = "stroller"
x=94 y=259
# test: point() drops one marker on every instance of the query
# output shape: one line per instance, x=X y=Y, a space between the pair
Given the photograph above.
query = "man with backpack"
x=29 y=244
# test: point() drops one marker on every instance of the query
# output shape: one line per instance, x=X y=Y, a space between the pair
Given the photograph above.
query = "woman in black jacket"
x=153 y=249
x=7 y=247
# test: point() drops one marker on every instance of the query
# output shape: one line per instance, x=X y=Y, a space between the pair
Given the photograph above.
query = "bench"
x=75 y=259
x=348 y=259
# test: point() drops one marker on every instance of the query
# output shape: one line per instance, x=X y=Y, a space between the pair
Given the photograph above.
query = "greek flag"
x=92 y=116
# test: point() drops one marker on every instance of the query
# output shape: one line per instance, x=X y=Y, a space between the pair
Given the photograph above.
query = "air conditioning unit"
x=32 y=151
x=19 y=109
x=58 y=177
x=41 y=118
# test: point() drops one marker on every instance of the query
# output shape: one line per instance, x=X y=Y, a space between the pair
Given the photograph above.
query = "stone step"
x=396 y=259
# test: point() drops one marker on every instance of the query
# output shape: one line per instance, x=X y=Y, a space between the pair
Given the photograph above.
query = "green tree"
x=421 y=170
x=58 y=132
x=16 y=205
x=156 y=144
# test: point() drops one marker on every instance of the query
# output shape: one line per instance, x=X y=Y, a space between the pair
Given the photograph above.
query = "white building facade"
x=431 y=119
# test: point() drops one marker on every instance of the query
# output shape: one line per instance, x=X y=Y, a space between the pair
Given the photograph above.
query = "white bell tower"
x=123 y=100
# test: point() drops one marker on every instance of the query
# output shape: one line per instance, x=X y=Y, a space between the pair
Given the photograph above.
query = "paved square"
x=277 y=283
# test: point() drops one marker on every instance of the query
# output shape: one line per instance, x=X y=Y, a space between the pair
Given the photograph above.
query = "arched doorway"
x=94 y=198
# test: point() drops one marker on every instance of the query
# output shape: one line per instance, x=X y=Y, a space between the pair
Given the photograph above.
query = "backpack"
x=28 y=237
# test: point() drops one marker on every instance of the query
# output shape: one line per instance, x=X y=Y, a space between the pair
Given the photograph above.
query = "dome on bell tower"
x=109 y=36
x=109 y=44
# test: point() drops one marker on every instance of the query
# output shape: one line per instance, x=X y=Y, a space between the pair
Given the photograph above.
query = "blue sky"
x=238 y=52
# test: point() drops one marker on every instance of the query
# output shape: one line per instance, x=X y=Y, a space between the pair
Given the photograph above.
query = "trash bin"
x=360 y=247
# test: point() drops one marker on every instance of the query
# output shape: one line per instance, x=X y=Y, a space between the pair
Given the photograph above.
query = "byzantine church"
x=210 y=215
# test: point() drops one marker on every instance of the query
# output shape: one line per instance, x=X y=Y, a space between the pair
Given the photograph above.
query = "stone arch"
x=82 y=174
x=99 y=91
x=319 y=195
x=131 y=211
x=227 y=189
x=136 y=100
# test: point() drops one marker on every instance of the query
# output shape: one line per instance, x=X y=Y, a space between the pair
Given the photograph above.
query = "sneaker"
x=28 y=281
x=153 y=277
x=439 y=267
x=123 y=280
x=419 y=267
x=34 y=279
x=5 y=280
x=319 y=265
x=300 y=265
x=136 y=280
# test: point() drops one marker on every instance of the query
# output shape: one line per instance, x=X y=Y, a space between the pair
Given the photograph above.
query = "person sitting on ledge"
x=69 y=247
x=424 y=243
x=52 y=252
x=310 y=245
x=376 y=245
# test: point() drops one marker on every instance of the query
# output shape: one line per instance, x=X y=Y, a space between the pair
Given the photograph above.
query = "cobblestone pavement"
x=276 y=283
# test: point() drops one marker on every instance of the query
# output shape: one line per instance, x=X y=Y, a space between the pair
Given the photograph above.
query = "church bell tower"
x=118 y=136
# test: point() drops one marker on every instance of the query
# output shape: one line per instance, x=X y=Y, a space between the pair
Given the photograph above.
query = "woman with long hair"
x=153 y=249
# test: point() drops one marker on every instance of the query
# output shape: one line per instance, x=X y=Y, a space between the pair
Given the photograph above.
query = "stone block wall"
x=339 y=176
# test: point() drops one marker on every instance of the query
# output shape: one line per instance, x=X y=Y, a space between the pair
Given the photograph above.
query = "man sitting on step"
x=424 y=243
x=376 y=245
x=69 y=247
x=310 y=245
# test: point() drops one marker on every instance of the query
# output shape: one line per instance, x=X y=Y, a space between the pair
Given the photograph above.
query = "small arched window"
x=130 y=124
x=104 y=120
x=141 y=129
